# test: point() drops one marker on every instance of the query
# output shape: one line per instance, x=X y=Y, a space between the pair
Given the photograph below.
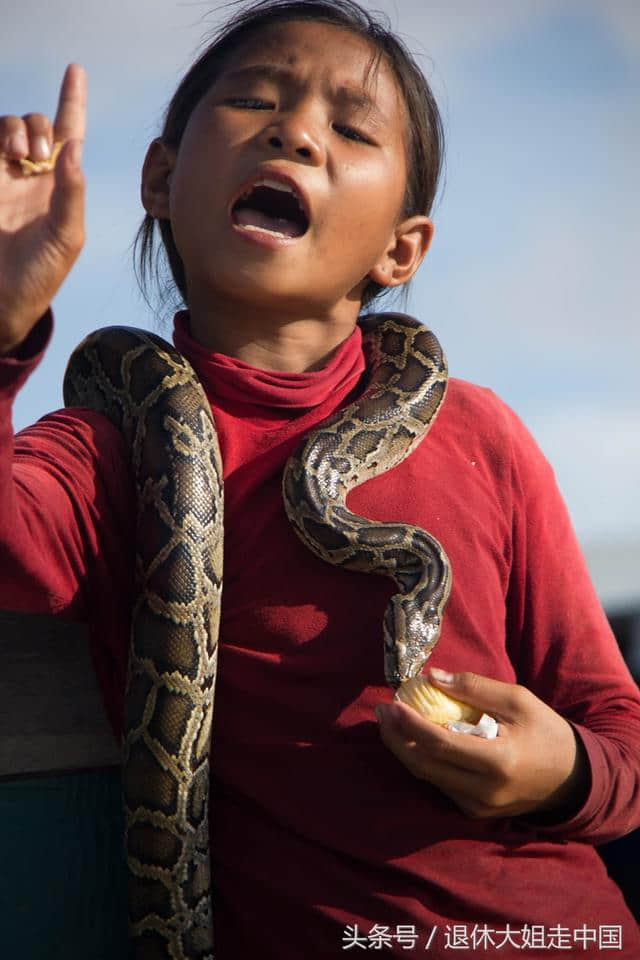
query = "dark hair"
x=425 y=139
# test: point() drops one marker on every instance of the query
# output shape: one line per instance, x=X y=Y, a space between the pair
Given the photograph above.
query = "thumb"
x=67 y=198
x=504 y=701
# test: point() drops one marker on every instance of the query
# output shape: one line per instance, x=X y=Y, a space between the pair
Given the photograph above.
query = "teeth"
x=274 y=184
x=275 y=233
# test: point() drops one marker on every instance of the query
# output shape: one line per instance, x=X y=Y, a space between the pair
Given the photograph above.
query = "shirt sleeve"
x=563 y=648
x=66 y=511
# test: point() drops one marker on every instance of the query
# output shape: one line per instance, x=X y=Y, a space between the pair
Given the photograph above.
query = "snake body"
x=144 y=386
x=150 y=392
x=406 y=388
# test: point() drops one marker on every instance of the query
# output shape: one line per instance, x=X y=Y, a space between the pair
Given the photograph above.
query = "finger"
x=474 y=781
x=14 y=142
x=39 y=133
x=465 y=787
x=67 y=200
x=403 y=727
x=504 y=701
x=446 y=777
x=70 y=118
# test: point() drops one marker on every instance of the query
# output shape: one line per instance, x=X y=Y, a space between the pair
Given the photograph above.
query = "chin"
x=258 y=289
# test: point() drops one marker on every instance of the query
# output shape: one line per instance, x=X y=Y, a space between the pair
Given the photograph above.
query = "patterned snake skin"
x=406 y=388
x=144 y=386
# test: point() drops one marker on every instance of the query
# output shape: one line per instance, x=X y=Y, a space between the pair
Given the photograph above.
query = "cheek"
x=181 y=215
x=191 y=205
x=359 y=234
x=374 y=200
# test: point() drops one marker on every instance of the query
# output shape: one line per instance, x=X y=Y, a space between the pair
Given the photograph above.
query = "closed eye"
x=249 y=103
x=350 y=133
x=253 y=103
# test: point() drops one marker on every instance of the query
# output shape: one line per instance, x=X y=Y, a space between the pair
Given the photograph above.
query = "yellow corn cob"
x=433 y=704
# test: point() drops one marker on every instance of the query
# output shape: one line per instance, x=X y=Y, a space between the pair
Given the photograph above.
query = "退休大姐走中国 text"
x=483 y=936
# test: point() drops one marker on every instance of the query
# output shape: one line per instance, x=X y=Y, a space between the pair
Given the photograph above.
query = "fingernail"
x=41 y=148
x=379 y=712
x=17 y=144
x=442 y=676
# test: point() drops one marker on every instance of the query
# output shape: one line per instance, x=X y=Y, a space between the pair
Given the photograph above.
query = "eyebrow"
x=340 y=93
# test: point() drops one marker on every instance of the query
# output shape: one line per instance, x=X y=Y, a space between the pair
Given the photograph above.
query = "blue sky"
x=531 y=282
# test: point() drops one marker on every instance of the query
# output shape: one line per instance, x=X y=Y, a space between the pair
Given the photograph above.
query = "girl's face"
x=292 y=107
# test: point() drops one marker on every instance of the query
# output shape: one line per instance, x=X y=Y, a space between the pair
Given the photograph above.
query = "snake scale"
x=144 y=386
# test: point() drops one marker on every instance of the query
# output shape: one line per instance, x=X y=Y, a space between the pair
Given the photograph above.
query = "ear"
x=156 y=179
x=406 y=251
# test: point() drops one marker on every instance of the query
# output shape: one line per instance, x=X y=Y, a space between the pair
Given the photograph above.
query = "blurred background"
x=531 y=282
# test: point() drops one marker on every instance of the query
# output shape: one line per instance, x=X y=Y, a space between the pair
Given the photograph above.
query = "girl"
x=331 y=831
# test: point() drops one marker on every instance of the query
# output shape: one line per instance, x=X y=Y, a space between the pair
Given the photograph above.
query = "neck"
x=270 y=339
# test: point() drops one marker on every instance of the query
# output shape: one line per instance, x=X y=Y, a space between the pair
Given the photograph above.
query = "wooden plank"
x=51 y=714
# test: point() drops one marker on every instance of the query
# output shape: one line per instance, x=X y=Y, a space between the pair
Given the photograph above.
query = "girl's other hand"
x=536 y=764
x=42 y=215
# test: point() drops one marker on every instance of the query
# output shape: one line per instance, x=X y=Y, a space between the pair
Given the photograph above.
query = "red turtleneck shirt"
x=322 y=843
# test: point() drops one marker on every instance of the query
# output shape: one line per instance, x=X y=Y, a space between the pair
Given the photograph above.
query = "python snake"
x=144 y=386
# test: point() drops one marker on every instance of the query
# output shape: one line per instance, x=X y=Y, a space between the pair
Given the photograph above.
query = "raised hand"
x=41 y=215
x=536 y=765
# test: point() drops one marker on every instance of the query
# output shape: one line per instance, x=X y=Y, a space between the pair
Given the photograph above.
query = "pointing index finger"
x=70 y=118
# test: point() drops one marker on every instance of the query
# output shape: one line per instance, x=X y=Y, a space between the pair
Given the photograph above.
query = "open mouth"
x=272 y=207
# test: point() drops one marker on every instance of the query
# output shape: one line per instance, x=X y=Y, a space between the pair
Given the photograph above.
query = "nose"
x=295 y=136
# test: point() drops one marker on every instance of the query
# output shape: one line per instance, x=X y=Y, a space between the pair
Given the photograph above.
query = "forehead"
x=339 y=58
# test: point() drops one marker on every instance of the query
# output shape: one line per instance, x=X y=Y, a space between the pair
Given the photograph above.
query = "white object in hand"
x=486 y=727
